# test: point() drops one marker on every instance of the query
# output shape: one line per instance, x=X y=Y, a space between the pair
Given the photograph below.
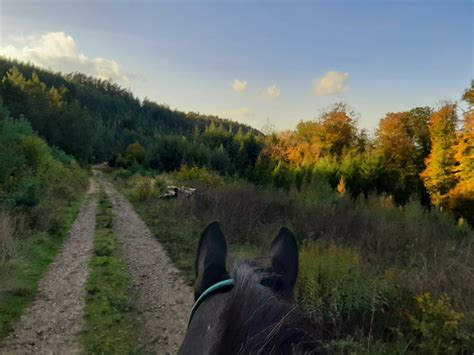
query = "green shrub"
x=317 y=193
x=141 y=188
x=61 y=156
x=123 y=174
x=282 y=176
x=334 y=288
x=195 y=174
x=436 y=325
x=31 y=171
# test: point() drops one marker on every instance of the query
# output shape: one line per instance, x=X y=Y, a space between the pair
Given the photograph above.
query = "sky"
x=256 y=61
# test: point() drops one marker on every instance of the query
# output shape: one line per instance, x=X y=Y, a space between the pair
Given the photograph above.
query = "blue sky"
x=291 y=59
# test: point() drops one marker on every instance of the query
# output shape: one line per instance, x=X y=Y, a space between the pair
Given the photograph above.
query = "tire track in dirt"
x=53 y=322
x=163 y=299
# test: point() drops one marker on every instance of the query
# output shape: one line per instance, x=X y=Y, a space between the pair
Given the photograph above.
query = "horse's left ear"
x=210 y=264
x=284 y=254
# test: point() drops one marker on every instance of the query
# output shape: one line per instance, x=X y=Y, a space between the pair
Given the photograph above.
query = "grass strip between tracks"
x=109 y=311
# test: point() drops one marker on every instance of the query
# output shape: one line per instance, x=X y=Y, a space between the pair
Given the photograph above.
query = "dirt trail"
x=163 y=299
x=52 y=323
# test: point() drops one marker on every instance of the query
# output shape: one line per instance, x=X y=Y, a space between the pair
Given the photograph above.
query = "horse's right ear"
x=284 y=255
x=210 y=264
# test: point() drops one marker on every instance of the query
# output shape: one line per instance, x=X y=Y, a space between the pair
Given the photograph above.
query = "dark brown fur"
x=257 y=321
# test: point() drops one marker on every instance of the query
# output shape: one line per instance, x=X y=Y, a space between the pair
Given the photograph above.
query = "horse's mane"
x=257 y=321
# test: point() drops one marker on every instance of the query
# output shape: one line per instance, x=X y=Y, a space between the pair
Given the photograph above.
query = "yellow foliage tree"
x=461 y=197
x=438 y=176
x=135 y=153
x=331 y=135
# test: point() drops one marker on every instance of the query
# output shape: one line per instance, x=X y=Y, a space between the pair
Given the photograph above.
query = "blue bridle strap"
x=217 y=286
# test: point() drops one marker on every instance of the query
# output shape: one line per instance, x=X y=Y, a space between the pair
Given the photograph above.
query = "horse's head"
x=249 y=309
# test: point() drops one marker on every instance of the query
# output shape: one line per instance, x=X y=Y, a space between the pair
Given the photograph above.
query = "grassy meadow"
x=378 y=278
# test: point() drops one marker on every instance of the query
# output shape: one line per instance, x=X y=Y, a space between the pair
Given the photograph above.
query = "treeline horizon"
x=423 y=153
x=96 y=106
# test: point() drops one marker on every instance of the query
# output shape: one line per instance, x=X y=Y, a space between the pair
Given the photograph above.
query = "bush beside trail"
x=40 y=193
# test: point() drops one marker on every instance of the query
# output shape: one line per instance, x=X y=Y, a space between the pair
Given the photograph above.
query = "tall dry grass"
x=7 y=241
x=397 y=255
x=426 y=250
x=142 y=188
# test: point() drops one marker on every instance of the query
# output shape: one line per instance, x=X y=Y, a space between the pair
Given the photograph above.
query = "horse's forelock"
x=256 y=320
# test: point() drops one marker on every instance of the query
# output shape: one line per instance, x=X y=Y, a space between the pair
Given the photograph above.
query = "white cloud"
x=239 y=113
x=272 y=91
x=333 y=82
x=58 y=51
x=239 y=85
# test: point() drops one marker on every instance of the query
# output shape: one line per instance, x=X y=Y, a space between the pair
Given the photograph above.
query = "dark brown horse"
x=250 y=309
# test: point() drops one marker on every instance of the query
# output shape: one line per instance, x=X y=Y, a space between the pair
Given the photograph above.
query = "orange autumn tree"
x=297 y=152
x=331 y=135
x=272 y=161
x=403 y=144
x=438 y=176
x=461 y=197
x=395 y=144
x=338 y=131
x=278 y=145
x=307 y=148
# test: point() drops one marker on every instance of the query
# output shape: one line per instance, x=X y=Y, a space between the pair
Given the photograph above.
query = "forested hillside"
x=95 y=120
x=422 y=154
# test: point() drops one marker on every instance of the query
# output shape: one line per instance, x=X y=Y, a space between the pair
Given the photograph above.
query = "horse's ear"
x=210 y=264
x=284 y=254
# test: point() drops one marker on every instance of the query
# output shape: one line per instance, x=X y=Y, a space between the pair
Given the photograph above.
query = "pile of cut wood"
x=174 y=191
